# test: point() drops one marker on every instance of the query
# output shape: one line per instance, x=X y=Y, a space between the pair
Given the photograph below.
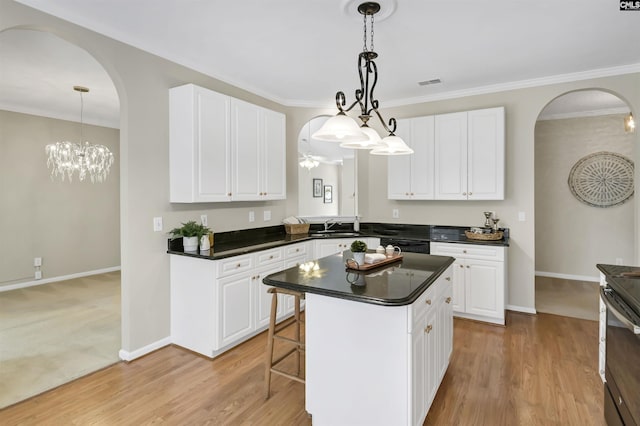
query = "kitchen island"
x=378 y=342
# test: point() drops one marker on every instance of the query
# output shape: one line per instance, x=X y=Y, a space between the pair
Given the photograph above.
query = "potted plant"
x=191 y=232
x=358 y=248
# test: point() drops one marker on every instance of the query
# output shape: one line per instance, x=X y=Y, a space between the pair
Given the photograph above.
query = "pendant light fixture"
x=69 y=158
x=629 y=124
x=344 y=129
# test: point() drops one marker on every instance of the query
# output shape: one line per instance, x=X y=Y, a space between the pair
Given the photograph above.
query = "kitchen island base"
x=377 y=365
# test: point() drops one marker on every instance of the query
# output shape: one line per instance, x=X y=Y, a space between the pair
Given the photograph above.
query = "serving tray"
x=353 y=265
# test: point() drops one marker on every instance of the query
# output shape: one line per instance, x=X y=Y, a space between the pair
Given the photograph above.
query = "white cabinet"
x=479 y=272
x=224 y=149
x=234 y=307
x=331 y=246
x=469 y=155
x=258 y=153
x=199 y=153
x=411 y=177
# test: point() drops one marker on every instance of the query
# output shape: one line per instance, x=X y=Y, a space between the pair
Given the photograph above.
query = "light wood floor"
x=54 y=333
x=539 y=370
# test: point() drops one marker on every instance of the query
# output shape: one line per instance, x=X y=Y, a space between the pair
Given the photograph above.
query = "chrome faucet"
x=328 y=226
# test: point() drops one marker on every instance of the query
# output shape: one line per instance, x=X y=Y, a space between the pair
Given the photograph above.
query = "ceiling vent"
x=429 y=82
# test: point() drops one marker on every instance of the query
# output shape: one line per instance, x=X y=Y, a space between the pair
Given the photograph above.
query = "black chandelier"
x=344 y=129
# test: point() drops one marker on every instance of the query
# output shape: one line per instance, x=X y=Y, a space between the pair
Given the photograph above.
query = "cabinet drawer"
x=422 y=305
x=234 y=265
x=295 y=250
x=468 y=251
x=268 y=257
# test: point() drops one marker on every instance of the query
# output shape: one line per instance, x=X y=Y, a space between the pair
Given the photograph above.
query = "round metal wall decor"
x=602 y=179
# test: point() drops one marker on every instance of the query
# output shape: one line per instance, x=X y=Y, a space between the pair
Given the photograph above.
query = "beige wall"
x=74 y=226
x=143 y=80
x=572 y=236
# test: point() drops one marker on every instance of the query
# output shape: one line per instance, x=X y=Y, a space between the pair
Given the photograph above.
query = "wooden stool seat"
x=296 y=341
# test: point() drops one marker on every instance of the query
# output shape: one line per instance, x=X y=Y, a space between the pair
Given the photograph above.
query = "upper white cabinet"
x=411 y=176
x=224 y=149
x=200 y=142
x=258 y=153
x=469 y=155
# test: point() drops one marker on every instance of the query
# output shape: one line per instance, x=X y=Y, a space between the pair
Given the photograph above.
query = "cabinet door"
x=411 y=177
x=485 y=154
x=263 y=298
x=274 y=186
x=332 y=246
x=458 y=286
x=431 y=355
x=399 y=167
x=484 y=288
x=445 y=330
x=200 y=143
x=422 y=160
x=235 y=308
x=451 y=156
x=246 y=158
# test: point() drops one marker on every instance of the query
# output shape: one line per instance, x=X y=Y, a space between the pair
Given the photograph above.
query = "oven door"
x=622 y=369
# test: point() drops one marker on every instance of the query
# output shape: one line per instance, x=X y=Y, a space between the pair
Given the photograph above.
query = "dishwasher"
x=406 y=245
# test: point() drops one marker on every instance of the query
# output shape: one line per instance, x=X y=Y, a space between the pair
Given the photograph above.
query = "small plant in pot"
x=358 y=248
x=191 y=233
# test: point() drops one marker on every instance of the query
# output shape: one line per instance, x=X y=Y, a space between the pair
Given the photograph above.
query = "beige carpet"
x=53 y=333
x=576 y=299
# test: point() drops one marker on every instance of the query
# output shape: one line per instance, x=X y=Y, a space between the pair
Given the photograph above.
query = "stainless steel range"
x=622 y=367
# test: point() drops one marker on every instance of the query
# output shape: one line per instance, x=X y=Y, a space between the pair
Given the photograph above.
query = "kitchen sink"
x=335 y=234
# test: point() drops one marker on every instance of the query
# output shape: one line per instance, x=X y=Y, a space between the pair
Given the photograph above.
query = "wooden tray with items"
x=353 y=265
x=494 y=236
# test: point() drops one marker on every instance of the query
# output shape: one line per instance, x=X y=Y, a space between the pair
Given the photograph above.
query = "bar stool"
x=274 y=329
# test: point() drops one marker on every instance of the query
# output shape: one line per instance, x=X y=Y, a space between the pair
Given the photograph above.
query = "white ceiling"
x=300 y=52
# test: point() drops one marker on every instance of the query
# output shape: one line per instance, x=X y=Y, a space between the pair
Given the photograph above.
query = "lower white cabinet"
x=478 y=280
x=330 y=246
x=217 y=304
x=602 y=334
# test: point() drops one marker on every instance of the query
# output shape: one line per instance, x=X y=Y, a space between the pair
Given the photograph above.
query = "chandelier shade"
x=342 y=128
x=68 y=159
x=392 y=145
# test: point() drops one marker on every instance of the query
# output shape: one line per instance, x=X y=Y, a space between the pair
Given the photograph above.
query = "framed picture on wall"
x=317 y=188
x=328 y=194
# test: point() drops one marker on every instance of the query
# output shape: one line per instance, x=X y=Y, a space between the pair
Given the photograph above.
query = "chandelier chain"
x=366 y=30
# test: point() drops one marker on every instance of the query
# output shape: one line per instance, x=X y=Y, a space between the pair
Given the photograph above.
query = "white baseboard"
x=521 y=309
x=130 y=356
x=569 y=276
x=56 y=279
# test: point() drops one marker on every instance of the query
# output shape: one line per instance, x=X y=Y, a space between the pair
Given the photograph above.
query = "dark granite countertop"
x=234 y=243
x=396 y=284
x=628 y=287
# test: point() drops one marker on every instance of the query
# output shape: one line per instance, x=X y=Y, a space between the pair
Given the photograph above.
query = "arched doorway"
x=66 y=324
x=573 y=234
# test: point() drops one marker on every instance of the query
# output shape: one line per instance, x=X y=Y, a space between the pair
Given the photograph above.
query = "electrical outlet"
x=38 y=275
x=395 y=213
x=267 y=215
x=204 y=220
x=521 y=216
x=252 y=216
x=37 y=261
x=157 y=224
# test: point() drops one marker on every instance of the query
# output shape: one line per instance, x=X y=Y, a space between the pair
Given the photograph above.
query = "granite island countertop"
x=396 y=284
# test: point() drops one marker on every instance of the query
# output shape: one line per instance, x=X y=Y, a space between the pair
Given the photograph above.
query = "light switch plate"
x=204 y=220
x=252 y=216
x=157 y=224
x=395 y=213
x=521 y=216
x=267 y=215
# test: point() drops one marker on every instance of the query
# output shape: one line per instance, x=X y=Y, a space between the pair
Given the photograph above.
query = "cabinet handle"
x=229 y=194
x=461 y=266
x=271 y=257
x=297 y=249
x=448 y=300
x=468 y=266
x=471 y=193
x=464 y=251
x=602 y=339
x=448 y=278
x=428 y=301
x=238 y=265
x=464 y=193
x=406 y=193
x=428 y=329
